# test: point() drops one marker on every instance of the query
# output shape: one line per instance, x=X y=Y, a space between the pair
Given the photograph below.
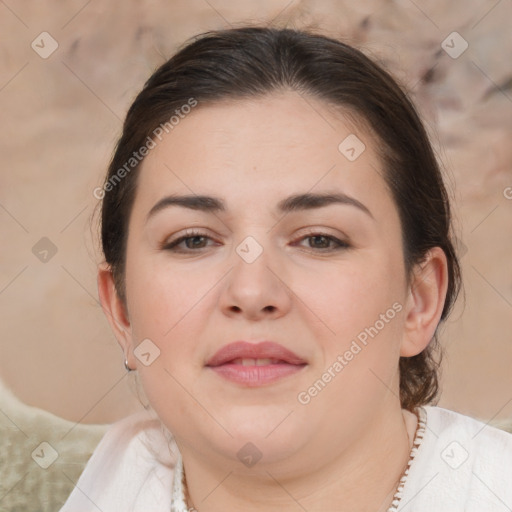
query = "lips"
x=255 y=364
x=259 y=354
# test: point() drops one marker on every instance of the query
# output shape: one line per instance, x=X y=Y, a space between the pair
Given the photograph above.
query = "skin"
x=351 y=442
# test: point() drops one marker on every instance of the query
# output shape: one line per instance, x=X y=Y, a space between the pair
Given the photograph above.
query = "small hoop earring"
x=128 y=369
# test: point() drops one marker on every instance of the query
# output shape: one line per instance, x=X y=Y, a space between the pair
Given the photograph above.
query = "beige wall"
x=61 y=117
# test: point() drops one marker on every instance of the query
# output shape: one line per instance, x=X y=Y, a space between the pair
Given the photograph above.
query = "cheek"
x=363 y=307
x=163 y=298
x=169 y=308
x=351 y=298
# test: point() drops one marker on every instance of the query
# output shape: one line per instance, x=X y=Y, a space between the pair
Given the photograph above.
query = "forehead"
x=263 y=146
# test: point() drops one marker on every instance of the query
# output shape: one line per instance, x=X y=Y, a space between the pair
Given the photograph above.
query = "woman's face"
x=267 y=259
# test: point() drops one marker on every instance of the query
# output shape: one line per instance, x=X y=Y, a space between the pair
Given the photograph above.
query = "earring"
x=126 y=366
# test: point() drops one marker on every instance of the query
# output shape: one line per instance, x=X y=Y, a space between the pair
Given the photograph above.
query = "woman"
x=278 y=259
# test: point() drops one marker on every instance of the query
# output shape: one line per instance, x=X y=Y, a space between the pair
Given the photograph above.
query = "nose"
x=256 y=289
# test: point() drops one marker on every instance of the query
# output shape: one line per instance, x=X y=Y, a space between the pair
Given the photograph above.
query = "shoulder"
x=448 y=423
x=131 y=468
x=461 y=464
x=481 y=444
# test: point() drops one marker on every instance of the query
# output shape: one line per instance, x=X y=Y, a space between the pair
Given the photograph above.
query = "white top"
x=461 y=465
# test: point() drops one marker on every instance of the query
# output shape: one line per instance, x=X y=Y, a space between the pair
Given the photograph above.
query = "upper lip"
x=246 y=350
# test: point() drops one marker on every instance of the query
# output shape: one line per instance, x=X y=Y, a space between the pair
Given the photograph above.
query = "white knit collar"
x=178 y=496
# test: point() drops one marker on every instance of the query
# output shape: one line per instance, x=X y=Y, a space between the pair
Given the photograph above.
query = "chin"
x=275 y=433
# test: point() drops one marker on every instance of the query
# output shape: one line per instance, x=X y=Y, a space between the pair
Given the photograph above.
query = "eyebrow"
x=307 y=201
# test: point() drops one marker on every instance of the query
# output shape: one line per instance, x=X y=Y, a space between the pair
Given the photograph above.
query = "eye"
x=192 y=241
x=322 y=242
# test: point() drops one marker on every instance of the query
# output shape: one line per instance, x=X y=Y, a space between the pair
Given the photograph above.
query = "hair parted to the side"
x=255 y=61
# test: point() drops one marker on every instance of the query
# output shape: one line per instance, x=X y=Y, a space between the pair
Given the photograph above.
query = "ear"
x=427 y=294
x=115 y=312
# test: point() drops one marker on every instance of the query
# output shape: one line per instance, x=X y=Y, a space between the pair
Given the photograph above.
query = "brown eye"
x=324 y=243
x=194 y=242
x=320 y=241
x=190 y=242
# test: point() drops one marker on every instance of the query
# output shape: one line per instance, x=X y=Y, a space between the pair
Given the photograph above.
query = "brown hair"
x=255 y=61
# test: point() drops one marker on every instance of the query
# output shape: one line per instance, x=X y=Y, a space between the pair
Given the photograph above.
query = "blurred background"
x=70 y=69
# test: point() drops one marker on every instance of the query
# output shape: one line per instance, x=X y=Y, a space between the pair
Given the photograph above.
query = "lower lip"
x=256 y=375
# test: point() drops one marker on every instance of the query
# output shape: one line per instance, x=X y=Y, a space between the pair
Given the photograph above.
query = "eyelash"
x=172 y=246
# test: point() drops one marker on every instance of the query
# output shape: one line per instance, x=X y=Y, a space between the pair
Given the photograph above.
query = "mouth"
x=255 y=364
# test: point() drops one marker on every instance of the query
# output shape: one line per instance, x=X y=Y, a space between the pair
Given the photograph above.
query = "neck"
x=362 y=478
